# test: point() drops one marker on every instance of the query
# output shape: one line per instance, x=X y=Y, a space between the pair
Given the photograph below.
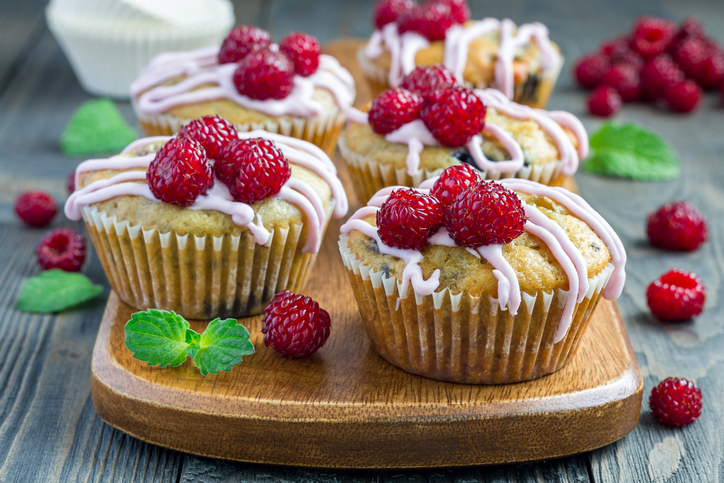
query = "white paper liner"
x=462 y=338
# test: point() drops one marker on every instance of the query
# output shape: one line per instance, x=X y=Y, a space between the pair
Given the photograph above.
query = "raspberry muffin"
x=482 y=282
x=521 y=61
x=413 y=132
x=287 y=88
x=211 y=222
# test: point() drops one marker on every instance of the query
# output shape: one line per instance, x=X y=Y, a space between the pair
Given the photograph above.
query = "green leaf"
x=193 y=339
x=96 y=127
x=55 y=290
x=158 y=337
x=628 y=150
x=222 y=345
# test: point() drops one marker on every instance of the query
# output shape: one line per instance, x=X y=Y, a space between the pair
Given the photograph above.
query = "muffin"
x=208 y=225
x=289 y=88
x=501 y=138
x=497 y=287
x=521 y=61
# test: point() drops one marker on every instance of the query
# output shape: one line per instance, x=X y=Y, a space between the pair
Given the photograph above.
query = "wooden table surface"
x=49 y=430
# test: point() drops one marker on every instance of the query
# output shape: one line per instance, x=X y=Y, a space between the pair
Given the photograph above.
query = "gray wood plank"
x=21 y=24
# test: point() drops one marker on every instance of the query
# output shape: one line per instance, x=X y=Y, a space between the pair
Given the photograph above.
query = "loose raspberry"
x=614 y=47
x=35 y=208
x=408 y=218
x=629 y=58
x=625 y=79
x=604 y=101
x=676 y=296
x=486 y=213
x=264 y=75
x=295 y=325
x=683 y=97
x=590 y=69
x=652 y=35
x=394 y=108
x=212 y=132
x=675 y=402
x=242 y=41
x=431 y=20
x=691 y=54
x=459 y=9
x=677 y=226
x=388 y=11
x=253 y=169
x=712 y=72
x=657 y=75
x=691 y=27
x=180 y=172
x=426 y=81
x=454 y=116
x=62 y=248
x=452 y=181
x=303 y=50
x=70 y=183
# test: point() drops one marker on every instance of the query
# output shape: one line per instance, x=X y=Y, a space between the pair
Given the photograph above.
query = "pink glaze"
x=143 y=142
x=508 y=287
x=573 y=124
x=356 y=116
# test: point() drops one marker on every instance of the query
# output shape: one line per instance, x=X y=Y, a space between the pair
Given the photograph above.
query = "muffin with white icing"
x=211 y=222
x=287 y=88
x=483 y=282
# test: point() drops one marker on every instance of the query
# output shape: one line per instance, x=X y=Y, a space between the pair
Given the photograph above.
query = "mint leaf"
x=55 y=290
x=193 y=339
x=158 y=337
x=628 y=150
x=222 y=345
x=96 y=127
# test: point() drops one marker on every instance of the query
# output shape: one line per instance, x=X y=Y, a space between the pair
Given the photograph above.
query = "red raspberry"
x=264 y=75
x=212 y=132
x=253 y=169
x=677 y=226
x=242 y=41
x=683 y=97
x=295 y=325
x=62 y=248
x=625 y=79
x=431 y=20
x=690 y=27
x=70 y=183
x=675 y=402
x=408 y=218
x=35 y=208
x=486 y=213
x=303 y=50
x=629 y=58
x=657 y=75
x=452 y=181
x=388 y=11
x=676 y=296
x=690 y=54
x=459 y=9
x=180 y=172
x=604 y=101
x=590 y=69
x=712 y=72
x=427 y=80
x=454 y=116
x=614 y=47
x=652 y=35
x=394 y=108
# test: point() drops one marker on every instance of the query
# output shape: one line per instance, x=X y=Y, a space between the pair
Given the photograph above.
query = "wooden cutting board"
x=346 y=407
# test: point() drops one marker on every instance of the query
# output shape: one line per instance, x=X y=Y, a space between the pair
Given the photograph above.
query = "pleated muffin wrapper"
x=199 y=277
x=368 y=177
x=463 y=338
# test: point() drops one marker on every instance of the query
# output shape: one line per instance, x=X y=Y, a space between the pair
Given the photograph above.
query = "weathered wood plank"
x=21 y=24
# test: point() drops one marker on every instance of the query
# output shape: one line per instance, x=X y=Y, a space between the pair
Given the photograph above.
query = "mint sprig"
x=162 y=338
x=55 y=290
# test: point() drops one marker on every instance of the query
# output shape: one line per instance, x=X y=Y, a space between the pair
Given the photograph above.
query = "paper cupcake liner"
x=368 y=177
x=467 y=339
x=198 y=277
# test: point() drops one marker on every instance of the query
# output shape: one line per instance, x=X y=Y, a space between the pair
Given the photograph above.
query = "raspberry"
x=388 y=11
x=394 y=108
x=35 y=208
x=657 y=75
x=459 y=9
x=604 y=101
x=652 y=35
x=630 y=58
x=625 y=79
x=303 y=50
x=180 y=172
x=295 y=325
x=431 y=20
x=427 y=80
x=691 y=54
x=590 y=69
x=408 y=218
x=212 y=132
x=677 y=226
x=242 y=41
x=264 y=75
x=452 y=181
x=712 y=72
x=454 y=116
x=62 y=248
x=614 y=47
x=675 y=402
x=691 y=27
x=683 y=97
x=486 y=213
x=253 y=169
x=70 y=183
x=676 y=296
